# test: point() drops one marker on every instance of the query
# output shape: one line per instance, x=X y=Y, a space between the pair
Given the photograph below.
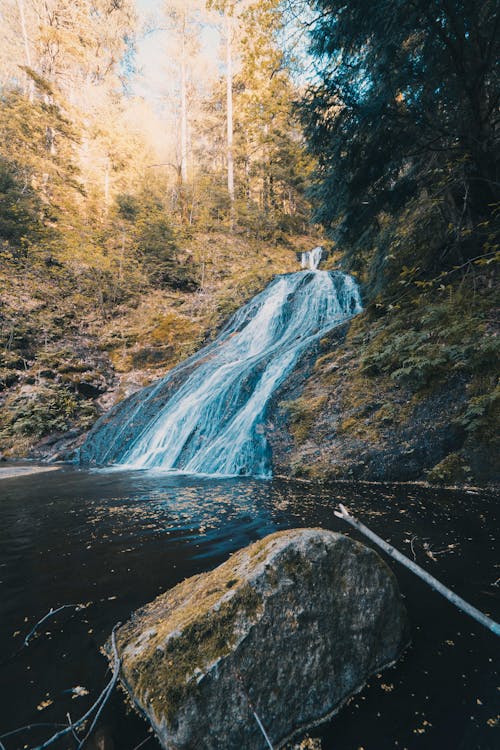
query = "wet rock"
x=291 y=625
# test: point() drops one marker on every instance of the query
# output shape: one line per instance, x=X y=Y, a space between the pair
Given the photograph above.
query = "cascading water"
x=311 y=258
x=212 y=422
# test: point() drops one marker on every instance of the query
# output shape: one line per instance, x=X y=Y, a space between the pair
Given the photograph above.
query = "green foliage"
x=19 y=213
x=301 y=413
x=482 y=416
x=45 y=410
x=402 y=123
x=146 y=225
x=452 y=469
x=431 y=341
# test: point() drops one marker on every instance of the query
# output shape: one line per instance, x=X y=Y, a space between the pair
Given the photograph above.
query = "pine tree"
x=405 y=112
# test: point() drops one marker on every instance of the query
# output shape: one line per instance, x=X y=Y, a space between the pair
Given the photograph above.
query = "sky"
x=152 y=53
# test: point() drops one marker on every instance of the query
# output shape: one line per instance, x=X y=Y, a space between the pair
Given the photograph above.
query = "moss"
x=295 y=565
x=324 y=360
x=302 y=412
x=167 y=646
x=451 y=470
x=300 y=469
x=168 y=676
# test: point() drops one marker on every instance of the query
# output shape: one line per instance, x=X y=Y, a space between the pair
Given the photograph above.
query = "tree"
x=264 y=148
x=405 y=112
x=183 y=19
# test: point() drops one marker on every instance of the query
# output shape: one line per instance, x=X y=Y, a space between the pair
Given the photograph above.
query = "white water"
x=311 y=258
x=213 y=423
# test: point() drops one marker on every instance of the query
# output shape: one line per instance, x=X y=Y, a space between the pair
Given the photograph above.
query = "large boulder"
x=288 y=627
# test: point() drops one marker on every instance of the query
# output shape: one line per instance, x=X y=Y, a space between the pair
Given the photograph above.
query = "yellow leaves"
x=423 y=727
x=79 y=691
x=44 y=704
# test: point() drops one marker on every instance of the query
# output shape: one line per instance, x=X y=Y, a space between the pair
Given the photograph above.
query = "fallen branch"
x=49 y=614
x=28 y=727
x=111 y=686
x=420 y=572
x=73 y=731
x=99 y=703
x=261 y=727
x=143 y=742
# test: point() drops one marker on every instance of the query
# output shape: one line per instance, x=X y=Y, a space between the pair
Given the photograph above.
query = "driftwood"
x=264 y=733
x=420 y=572
x=146 y=739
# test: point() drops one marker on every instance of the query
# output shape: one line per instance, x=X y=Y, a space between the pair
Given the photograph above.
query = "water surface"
x=115 y=540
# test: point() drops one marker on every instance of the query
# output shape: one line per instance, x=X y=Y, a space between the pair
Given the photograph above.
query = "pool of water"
x=115 y=540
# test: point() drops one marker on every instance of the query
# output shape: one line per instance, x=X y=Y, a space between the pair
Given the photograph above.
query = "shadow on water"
x=115 y=540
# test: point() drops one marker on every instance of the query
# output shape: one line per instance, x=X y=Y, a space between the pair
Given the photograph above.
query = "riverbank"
x=13 y=471
x=405 y=392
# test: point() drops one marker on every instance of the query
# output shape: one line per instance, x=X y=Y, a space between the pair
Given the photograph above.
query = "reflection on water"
x=114 y=540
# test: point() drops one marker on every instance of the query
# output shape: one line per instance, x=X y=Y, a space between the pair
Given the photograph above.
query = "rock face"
x=294 y=624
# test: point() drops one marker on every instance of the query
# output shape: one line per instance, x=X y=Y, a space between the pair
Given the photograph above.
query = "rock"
x=295 y=623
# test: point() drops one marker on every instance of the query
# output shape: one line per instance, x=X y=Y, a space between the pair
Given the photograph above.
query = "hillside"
x=402 y=394
x=65 y=360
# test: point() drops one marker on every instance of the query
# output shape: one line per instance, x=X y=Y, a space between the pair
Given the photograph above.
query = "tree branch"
x=420 y=572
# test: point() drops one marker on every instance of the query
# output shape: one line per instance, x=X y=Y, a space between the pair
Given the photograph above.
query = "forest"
x=134 y=221
x=249 y=395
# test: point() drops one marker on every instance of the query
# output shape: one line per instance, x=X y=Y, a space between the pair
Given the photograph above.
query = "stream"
x=114 y=540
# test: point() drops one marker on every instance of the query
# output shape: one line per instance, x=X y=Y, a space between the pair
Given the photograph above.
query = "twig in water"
x=411 y=547
x=27 y=728
x=143 y=742
x=112 y=683
x=420 y=572
x=70 y=723
x=99 y=703
x=50 y=613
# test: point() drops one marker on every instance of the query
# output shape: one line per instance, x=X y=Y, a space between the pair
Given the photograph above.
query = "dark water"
x=116 y=540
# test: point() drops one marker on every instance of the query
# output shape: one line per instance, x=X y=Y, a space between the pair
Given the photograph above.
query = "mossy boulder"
x=292 y=625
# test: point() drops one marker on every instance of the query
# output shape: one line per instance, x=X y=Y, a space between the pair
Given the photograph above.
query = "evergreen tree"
x=406 y=113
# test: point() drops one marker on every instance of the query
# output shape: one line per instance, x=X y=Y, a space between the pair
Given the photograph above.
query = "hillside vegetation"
x=124 y=244
x=404 y=126
x=126 y=240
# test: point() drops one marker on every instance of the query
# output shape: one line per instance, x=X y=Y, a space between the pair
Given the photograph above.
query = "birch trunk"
x=230 y=125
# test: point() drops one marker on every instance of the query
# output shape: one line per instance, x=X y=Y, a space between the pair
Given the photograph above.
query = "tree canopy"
x=403 y=119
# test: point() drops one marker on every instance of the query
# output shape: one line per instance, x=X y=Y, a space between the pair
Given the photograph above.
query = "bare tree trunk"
x=230 y=124
x=184 y=108
x=20 y=6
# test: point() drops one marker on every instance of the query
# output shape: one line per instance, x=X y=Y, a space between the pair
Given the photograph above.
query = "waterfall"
x=311 y=258
x=207 y=415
